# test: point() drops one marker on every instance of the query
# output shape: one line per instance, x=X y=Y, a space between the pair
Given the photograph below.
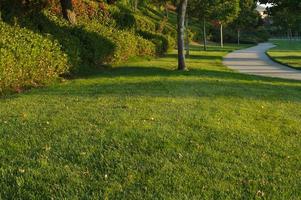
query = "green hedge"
x=28 y=59
x=126 y=43
x=48 y=46
x=163 y=43
x=126 y=19
x=84 y=48
x=90 y=43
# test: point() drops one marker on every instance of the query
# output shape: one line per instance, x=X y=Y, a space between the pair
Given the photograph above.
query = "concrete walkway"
x=254 y=61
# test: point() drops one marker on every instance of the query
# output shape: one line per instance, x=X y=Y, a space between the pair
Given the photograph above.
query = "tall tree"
x=181 y=14
x=286 y=14
x=225 y=11
x=202 y=9
x=248 y=17
x=187 y=36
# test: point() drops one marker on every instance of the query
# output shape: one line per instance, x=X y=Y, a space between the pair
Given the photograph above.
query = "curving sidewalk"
x=255 y=61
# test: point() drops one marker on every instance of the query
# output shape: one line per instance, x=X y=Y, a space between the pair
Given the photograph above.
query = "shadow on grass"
x=288 y=57
x=195 y=57
x=216 y=48
x=148 y=71
x=206 y=83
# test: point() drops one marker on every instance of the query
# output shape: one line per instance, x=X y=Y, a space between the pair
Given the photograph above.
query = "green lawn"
x=145 y=131
x=287 y=52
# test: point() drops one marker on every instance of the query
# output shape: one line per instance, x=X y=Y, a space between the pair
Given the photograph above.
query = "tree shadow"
x=288 y=57
x=216 y=48
x=135 y=70
x=195 y=57
x=201 y=84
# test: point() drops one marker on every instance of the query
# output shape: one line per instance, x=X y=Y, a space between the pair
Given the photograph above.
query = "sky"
x=266 y=5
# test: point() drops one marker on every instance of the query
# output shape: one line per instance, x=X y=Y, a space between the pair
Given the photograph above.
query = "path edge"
x=279 y=62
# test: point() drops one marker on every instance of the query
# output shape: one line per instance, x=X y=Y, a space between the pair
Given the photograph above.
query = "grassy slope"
x=287 y=52
x=144 y=131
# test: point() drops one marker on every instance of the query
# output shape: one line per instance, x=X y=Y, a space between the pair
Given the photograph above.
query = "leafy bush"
x=124 y=20
x=90 y=43
x=163 y=43
x=143 y=23
x=73 y=48
x=28 y=59
x=126 y=43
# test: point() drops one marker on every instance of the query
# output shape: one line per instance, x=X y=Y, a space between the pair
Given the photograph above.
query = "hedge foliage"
x=47 y=46
x=28 y=59
x=126 y=44
x=163 y=43
x=157 y=31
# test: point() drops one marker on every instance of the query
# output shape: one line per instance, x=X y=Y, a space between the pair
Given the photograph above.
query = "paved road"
x=254 y=61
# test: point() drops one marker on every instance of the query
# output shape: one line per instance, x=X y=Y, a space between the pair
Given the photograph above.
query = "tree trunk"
x=187 y=37
x=181 y=12
x=205 y=34
x=67 y=10
x=222 y=36
x=238 y=36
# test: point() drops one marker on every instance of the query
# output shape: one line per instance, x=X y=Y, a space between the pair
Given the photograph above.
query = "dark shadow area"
x=222 y=84
x=288 y=57
x=194 y=57
x=149 y=71
x=211 y=48
x=242 y=60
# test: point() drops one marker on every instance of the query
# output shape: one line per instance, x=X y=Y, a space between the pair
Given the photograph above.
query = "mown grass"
x=145 y=131
x=287 y=52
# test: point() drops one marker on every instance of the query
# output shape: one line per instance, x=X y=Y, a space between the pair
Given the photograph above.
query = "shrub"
x=143 y=23
x=126 y=43
x=163 y=43
x=126 y=19
x=84 y=48
x=56 y=47
x=28 y=59
x=95 y=43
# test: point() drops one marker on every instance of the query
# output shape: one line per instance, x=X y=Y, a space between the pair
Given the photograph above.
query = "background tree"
x=247 y=17
x=285 y=15
x=202 y=9
x=225 y=11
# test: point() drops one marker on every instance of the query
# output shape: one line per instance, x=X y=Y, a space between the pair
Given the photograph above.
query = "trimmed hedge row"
x=126 y=44
x=91 y=43
x=163 y=43
x=53 y=47
x=160 y=33
x=28 y=59
x=48 y=46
